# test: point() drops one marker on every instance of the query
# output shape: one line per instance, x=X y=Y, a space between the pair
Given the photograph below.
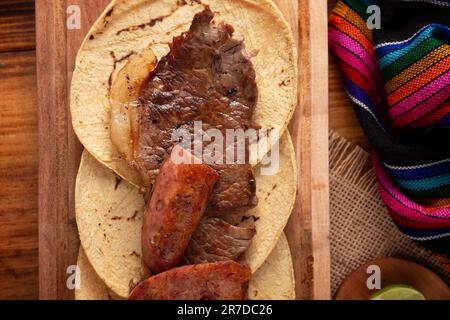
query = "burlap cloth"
x=361 y=228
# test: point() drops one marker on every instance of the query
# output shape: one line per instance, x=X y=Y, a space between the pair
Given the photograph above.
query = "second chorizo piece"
x=176 y=206
x=224 y=280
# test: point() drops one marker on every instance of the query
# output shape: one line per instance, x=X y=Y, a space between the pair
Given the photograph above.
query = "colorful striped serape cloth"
x=398 y=80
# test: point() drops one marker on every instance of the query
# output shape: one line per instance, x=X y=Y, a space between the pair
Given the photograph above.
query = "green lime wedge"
x=397 y=292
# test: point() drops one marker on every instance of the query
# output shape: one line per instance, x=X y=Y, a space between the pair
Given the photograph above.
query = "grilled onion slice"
x=124 y=97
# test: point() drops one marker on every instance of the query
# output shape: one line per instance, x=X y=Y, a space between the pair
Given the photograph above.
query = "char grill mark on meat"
x=210 y=281
x=234 y=191
x=216 y=240
x=205 y=77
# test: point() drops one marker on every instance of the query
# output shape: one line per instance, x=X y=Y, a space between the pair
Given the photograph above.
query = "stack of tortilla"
x=109 y=198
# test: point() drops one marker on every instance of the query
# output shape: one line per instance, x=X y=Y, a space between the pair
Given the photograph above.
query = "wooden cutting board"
x=60 y=150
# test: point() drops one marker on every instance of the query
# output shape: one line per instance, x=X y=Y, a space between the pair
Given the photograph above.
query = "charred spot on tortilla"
x=107 y=17
x=118 y=181
x=115 y=62
x=133 y=216
x=110 y=12
x=270 y=192
x=181 y=3
x=153 y=21
x=134 y=253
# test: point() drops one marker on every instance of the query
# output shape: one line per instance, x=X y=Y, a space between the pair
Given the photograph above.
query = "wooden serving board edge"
x=58 y=238
x=308 y=228
x=309 y=225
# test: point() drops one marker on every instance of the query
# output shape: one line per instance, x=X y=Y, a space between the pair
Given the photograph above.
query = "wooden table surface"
x=19 y=148
x=18 y=152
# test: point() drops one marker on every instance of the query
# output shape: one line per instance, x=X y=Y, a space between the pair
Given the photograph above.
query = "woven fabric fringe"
x=361 y=228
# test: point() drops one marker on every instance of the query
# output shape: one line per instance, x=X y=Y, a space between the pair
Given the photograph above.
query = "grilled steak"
x=205 y=77
x=177 y=204
x=216 y=240
x=209 y=281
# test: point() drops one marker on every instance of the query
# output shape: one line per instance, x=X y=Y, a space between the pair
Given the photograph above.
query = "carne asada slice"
x=210 y=281
x=216 y=240
x=205 y=77
x=176 y=206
